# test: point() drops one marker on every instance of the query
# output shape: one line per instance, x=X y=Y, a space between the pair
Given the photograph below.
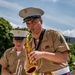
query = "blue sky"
x=59 y=14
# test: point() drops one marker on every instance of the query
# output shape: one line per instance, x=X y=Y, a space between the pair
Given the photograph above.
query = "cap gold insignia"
x=25 y=11
x=18 y=31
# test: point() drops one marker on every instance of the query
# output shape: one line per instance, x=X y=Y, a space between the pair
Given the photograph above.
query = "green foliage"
x=20 y=29
x=30 y=36
x=71 y=56
x=71 y=60
x=72 y=47
x=5 y=36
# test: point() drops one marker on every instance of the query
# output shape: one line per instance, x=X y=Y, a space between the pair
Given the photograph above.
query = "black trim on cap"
x=31 y=18
x=18 y=38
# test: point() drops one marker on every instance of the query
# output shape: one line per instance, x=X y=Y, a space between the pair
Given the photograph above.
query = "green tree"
x=72 y=47
x=25 y=29
x=5 y=35
x=71 y=56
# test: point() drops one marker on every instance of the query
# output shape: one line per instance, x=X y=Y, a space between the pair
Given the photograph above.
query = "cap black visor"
x=31 y=18
x=18 y=38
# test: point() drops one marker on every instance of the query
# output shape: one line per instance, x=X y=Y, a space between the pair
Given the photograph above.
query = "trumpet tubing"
x=18 y=68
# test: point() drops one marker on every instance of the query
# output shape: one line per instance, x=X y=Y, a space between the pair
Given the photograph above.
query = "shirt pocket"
x=11 y=60
x=48 y=47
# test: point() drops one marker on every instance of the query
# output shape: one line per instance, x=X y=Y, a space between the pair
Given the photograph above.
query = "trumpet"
x=18 y=68
x=29 y=66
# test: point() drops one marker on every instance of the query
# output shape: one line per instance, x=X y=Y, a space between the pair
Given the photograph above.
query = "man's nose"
x=31 y=26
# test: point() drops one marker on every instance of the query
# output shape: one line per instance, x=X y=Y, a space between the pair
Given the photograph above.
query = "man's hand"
x=35 y=55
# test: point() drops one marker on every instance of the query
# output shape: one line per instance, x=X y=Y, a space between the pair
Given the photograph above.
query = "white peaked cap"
x=19 y=33
x=31 y=11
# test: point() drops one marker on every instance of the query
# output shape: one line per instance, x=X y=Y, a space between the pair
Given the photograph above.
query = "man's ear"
x=41 y=21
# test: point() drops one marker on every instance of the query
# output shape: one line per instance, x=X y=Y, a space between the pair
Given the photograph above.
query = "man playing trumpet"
x=13 y=59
